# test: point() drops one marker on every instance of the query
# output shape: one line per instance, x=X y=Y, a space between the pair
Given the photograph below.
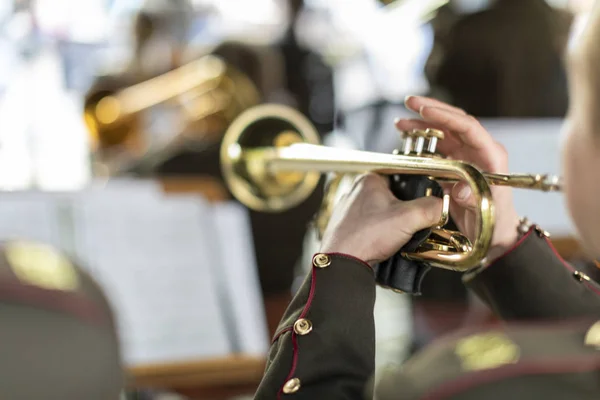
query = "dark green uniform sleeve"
x=325 y=344
x=532 y=281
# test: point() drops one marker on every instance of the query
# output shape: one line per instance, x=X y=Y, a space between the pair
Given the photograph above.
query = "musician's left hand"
x=468 y=141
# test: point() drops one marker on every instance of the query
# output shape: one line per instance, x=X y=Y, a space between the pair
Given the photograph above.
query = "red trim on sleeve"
x=531 y=367
x=305 y=310
x=570 y=267
x=311 y=296
x=281 y=332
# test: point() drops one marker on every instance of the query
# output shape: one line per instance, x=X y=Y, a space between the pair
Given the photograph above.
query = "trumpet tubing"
x=272 y=161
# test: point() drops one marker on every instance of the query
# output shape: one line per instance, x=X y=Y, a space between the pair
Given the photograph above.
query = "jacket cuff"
x=532 y=281
x=333 y=317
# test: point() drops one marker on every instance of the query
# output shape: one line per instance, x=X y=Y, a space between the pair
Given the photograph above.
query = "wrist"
x=507 y=235
x=344 y=250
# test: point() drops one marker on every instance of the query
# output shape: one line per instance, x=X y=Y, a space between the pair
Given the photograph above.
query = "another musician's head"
x=581 y=150
x=58 y=337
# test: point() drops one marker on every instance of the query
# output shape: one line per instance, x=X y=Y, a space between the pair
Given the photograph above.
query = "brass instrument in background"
x=271 y=160
x=207 y=94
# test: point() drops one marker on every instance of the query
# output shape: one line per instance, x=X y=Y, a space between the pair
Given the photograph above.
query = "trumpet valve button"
x=432 y=145
x=407 y=145
x=433 y=136
x=434 y=133
x=419 y=145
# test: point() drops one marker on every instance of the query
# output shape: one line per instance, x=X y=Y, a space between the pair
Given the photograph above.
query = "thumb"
x=418 y=214
x=463 y=195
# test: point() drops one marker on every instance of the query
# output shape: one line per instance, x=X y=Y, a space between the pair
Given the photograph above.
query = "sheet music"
x=132 y=185
x=178 y=271
x=32 y=216
x=240 y=276
x=153 y=257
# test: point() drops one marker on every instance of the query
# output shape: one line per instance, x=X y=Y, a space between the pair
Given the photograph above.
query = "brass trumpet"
x=272 y=161
x=207 y=95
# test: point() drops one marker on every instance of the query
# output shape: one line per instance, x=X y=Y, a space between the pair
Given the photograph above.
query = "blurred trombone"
x=206 y=95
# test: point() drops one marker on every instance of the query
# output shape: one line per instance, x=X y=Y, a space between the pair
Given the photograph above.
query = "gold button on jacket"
x=291 y=386
x=303 y=327
x=321 y=260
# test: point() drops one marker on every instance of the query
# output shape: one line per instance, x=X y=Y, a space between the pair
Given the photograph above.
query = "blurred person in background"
x=307 y=77
x=159 y=34
x=506 y=61
x=161 y=31
x=59 y=338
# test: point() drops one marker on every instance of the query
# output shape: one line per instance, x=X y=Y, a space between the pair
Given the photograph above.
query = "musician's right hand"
x=468 y=141
x=371 y=224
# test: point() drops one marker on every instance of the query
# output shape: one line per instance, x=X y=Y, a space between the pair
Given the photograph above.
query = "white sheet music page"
x=240 y=274
x=134 y=185
x=32 y=215
x=151 y=255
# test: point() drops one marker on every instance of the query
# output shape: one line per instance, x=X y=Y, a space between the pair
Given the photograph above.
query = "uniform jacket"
x=506 y=61
x=548 y=346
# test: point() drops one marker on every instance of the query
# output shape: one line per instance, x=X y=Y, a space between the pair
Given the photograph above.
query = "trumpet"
x=272 y=160
x=207 y=95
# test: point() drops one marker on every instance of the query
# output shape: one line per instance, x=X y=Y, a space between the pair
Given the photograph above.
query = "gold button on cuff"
x=580 y=276
x=321 y=260
x=541 y=232
x=303 y=327
x=291 y=386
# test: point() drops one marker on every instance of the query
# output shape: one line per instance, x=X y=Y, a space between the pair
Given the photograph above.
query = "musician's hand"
x=371 y=224
x=468 y=141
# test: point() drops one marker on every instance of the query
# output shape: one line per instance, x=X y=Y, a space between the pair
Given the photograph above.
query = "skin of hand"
x=466 y=140
x=371 y=224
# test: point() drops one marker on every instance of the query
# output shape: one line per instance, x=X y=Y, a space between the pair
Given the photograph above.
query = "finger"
x=418 y=214
x=416 y=103
x=368 y=181
x=405 y=124
x=463 y=196
x=449 y=145
x=469 y=130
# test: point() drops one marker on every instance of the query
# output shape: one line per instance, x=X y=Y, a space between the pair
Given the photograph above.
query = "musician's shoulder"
x=527 y=361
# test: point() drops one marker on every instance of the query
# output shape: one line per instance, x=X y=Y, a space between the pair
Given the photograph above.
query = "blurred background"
x=111 y=117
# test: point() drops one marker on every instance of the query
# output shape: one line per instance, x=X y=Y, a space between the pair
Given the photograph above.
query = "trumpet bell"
x=257 y=131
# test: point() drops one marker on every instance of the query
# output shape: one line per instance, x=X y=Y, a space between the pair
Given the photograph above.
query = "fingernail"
x=421 y=110
x=407 y=98
x=464 y=193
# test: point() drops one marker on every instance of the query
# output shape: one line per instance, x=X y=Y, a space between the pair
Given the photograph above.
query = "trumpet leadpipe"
x=542 y=182
x=315 y=158
x=545 y=182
